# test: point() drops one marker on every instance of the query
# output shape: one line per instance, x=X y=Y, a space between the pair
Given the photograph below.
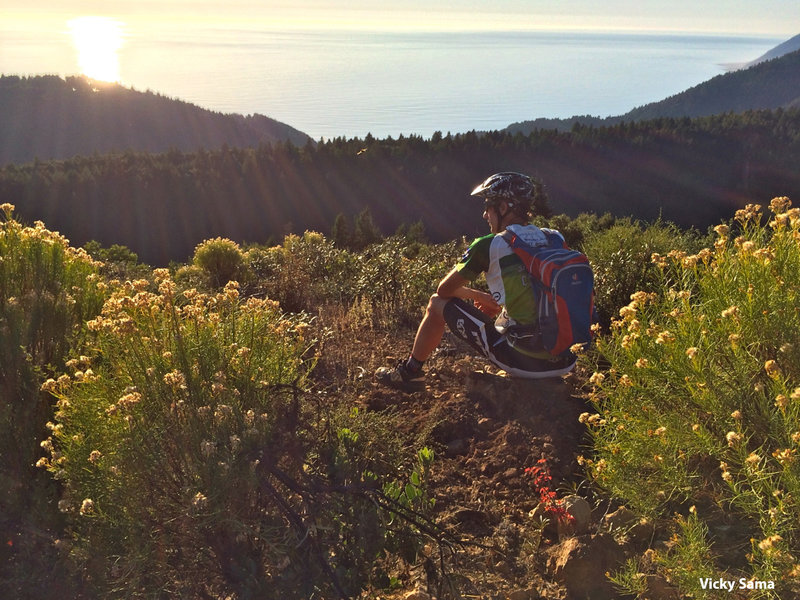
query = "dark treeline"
x=692 y=172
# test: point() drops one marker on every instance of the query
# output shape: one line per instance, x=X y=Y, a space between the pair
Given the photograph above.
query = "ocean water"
x=345 y=83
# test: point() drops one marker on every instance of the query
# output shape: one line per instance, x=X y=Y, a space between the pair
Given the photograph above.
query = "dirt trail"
x=487 y=429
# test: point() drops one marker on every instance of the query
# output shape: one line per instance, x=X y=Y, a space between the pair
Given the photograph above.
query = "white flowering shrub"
x=699 y=412
x=194 y=463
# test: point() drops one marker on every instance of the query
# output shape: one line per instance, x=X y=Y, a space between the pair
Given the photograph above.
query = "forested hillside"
x=49 y=117
x=765 y=85
x=692 y=172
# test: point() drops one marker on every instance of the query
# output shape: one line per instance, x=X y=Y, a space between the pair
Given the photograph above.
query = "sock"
x=413 y=364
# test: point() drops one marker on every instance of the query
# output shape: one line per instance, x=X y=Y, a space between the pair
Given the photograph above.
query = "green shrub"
x=620 y=258
x=397 y=279
x=394 y=277
x=221 y=259
x=576 y=231
x=701 y=405
x=304 y=272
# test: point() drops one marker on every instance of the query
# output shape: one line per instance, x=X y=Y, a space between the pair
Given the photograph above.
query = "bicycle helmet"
x=507 y=186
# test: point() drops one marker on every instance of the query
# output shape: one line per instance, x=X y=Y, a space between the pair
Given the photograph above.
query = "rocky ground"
x=488 y=430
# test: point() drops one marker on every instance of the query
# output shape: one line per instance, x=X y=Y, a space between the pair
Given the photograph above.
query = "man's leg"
x=409 y=371
x=430 y=330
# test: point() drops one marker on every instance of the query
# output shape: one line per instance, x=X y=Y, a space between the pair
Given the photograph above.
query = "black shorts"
x=477 y=329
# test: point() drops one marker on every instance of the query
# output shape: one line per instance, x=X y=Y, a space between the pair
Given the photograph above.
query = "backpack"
x=563 y=283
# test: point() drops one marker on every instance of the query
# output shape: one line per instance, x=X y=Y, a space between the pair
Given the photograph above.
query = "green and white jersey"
x=508 y=280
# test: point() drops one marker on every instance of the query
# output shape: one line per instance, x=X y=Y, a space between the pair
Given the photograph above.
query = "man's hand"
x=454 y=285
x=486 y=303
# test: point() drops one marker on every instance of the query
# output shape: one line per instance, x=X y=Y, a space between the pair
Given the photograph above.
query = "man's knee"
x=436 y=305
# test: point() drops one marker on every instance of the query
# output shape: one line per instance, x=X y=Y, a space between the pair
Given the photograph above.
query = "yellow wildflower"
x=175 y=379
x=691 y=352
x=765 y=254
x=640 y=298
x=49 y=386
x=753 y=459
x=785 y=456
x=767 y=544
x=576 y=349
x=722 y=230
x=750 y=212
x=665 y=337
x=733 y=438
x=597 y=378
x=772 y=368
x=690 y=262
x=658 y=260
x=705 y=255
x=199 y=501
x=129 y=400
x=780 y=205
x=231 y=290
x=732 y=311
x=87 y=506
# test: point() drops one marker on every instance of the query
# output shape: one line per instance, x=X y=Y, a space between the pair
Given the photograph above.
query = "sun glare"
x=97 y=40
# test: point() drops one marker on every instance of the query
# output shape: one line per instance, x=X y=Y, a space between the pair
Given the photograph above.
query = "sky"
x=768 y=17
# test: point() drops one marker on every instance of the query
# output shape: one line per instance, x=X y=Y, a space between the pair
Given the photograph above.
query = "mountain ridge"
x=790 y=45
x=49 y=117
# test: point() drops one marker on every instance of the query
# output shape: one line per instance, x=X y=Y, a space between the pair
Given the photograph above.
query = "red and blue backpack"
x=563 y=283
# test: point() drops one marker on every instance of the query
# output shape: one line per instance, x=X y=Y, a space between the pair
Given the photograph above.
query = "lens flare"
x=97 y=40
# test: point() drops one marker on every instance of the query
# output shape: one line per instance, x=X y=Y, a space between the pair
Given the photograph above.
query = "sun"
x=97 y=40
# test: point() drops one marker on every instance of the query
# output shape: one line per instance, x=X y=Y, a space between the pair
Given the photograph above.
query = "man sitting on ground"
x=507 y=206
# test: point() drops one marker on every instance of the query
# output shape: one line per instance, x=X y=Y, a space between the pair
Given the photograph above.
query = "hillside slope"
x=48 y=117
x=768 y=84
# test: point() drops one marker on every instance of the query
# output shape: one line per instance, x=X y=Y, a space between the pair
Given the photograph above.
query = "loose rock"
x=581 y=564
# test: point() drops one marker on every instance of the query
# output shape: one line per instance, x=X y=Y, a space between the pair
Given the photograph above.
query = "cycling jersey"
x=508 y=280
